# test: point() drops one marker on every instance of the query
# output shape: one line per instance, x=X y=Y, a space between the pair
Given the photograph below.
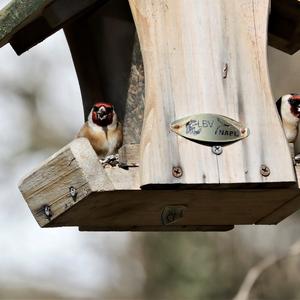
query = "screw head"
x=177 y=172
x=265 y=170
x=217 y=150
x=171 y=214
x=47 y=211
x=73 y=192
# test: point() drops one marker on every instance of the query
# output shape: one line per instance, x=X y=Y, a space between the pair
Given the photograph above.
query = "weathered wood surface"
x=283 y=29
x=203 y=207
x=184 y=69
x=26 y=23
x=17 y=14
x=111 y=198
x=129 y=155
x=134 y=114
x=76 y=165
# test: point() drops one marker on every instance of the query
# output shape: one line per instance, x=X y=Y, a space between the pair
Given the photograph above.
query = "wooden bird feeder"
x=204 y=149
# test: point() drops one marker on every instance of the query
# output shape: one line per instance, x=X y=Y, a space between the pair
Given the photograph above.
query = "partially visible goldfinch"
x=289 y=110
x=103 y=130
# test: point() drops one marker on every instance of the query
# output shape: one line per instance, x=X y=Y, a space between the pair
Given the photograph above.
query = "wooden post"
x=208 y=57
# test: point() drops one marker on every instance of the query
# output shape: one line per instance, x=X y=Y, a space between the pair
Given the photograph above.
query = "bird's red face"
x=294 y=101
x=103 y=113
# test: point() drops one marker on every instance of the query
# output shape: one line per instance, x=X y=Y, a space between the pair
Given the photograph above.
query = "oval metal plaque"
x=210 y=128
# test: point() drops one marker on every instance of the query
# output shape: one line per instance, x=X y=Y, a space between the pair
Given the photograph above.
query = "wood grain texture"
x=17 y=14
x=111 y=199
x=76 y=165
x=134 y=114
x=129 y=155
x=185 y=46
x=135 y=208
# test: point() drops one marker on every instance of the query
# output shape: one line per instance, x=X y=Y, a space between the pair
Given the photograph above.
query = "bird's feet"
x=110 y=160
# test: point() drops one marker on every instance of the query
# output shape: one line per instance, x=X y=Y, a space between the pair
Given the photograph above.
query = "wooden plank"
x=184 y=61
x=48 y=187
x=51 y=19
x=129 y=155
x=288 y=208
x=129 y=208
x=134 y=111
x=17 y=14
x=123 y=179
x=111 y=198
x=283 y=32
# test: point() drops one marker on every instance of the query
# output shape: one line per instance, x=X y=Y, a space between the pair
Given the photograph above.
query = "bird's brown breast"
x=104 y=140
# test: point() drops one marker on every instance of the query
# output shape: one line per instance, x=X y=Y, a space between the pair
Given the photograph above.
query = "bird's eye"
x=292 y=102
x=95 y=108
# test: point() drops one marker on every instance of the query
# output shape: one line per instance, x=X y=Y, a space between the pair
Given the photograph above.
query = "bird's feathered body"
x=105 y=135
x=289 y=110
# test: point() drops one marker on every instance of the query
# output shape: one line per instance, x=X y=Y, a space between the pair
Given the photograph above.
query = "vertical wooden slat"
x=185 y=47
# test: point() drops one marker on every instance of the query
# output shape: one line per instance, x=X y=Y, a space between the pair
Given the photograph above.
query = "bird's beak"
x=101 y=113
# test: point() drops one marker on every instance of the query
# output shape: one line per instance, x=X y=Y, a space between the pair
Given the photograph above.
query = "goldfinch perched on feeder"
x=104 y=131
x=289 y=110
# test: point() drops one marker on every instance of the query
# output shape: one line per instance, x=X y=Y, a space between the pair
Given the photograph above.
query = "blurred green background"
x=41 y=112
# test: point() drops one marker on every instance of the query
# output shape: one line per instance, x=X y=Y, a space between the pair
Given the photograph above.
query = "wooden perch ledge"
x=72 y=188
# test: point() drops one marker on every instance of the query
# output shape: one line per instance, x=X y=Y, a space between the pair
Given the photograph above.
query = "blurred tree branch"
x=257 y=270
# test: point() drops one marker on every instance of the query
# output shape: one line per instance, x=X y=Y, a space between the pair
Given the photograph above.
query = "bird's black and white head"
x=289 y=110
x=102 y=114
x=289 y=107
x=294 y=101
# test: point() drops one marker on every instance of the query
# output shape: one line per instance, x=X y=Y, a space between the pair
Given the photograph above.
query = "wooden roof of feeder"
x=246 y=184
x=38 y=19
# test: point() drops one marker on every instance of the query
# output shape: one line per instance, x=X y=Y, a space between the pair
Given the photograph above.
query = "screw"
x=265 y=170
x=217 y=150
x=177 y=172
x=171 y=214
x=171 y=217
x=73 y=193
x=47 y=211
x=225 y=70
